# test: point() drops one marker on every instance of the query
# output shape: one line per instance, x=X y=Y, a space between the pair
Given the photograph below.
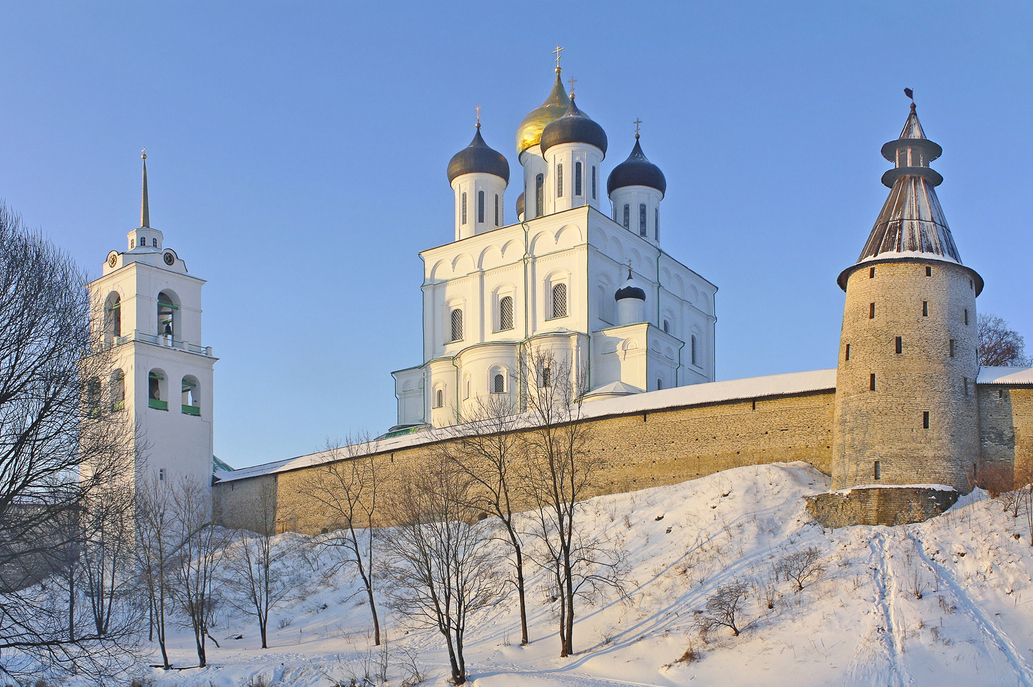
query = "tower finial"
x=637 y=122
x=145 y=212
x=629 y=268
x=572 y=82
x=557 y=53
x=478 y=108
x=911 y=94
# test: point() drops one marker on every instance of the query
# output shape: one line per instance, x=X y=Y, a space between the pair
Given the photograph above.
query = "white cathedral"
x=590 y=288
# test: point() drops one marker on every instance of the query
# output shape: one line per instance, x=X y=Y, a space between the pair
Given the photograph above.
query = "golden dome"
x=529 y=133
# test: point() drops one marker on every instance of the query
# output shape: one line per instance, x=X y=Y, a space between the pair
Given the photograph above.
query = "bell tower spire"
x=145 y=211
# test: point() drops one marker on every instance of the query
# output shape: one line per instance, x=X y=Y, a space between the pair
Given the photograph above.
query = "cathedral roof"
x=529 y=133
x=478 y=158
x=636 y=171
x=573 y=127
x=911 y=223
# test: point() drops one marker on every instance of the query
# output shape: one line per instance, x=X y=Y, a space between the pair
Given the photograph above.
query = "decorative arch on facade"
x=498 y=379
x=438 y=397
x=440 y=271
x=568 y=236
x=490 y=257
x=463 y=264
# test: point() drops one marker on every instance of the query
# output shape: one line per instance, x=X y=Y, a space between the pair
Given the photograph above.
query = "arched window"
x=641 y=219
x=498 y=217
x=439 y=398
x=167 y=317
x=694 y=353
x=559 y=300
x=480 y=206
x=505 y=313
x=93 y=396
x=577 y=178
x=113 y=316
x=559 y=181
x=656 y=224
x=191 y=403
x=462 y=219
x=539 y=199
x=498 y=383
x=627 y=216
x=594 y=183
x=667 y=327
x=132 y=244
x=659 y=384
x=154 y=241
x=546 y=377
x=157 y=392
x=118 y=390
x=456 y=320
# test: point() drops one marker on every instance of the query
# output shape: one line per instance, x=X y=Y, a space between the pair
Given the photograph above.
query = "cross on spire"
x=572 y=82
x=478 y=108
x=557 y=52
x=637 y=122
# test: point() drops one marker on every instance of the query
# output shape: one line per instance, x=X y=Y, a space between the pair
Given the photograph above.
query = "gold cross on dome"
x=637 y=122
x=572 y=82
x=143 y=153
x=557 y=52
x=478 y=108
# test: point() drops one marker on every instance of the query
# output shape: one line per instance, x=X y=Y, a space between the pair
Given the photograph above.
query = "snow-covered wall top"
x=678 y=397
x=1005 y=375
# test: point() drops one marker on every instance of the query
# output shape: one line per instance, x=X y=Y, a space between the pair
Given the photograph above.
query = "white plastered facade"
x=165 y=391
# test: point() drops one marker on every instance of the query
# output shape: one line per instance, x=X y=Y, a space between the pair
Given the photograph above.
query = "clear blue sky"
x=297 y=156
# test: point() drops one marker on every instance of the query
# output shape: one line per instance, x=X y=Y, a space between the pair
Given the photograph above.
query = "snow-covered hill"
x=940 y=603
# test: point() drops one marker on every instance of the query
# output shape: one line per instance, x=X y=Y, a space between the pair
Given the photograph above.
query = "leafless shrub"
x=414 y=675
x=724 y=608
x=800 y=566
x=690 y=655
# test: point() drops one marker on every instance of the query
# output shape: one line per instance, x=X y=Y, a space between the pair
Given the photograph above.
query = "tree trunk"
x=376 y=620
x=524 y=641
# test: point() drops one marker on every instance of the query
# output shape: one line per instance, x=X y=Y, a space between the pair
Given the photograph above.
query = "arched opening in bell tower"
x=167 y=319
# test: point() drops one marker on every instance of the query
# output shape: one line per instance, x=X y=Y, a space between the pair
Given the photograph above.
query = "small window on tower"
x=132 y=244
x=627 y=216
x=577 y=179
x=871 y=273
x=952 y=348
x=878 y=471
x=480 y=206
x=659 y=384
x=692 y=351
x=656 y=224
x=925 y=308
x=965 y=382
x=871 y=383
x=900 y=345
x=539 y=195
x=498 y=384
x=439 y=398
x=871 y=311
x=505 y=313
x=925 y=420
x=642 y=219
x=594 y=183
x=498 y=217
x=559 y=181
x=847 y=355
x=462 y=219
x=966 y=316
x=161 y=474
x=559 y=300
x=456 y=320
x=154 y=242
x=667 y=327
x=546 y=376
x=928 y=271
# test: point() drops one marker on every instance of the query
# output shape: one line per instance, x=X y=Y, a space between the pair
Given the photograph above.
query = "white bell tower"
x=149 y=309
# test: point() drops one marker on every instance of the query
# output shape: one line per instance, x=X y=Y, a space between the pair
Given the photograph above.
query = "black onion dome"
x=636 y=171
x=631 y=289
x=478 y=158
x=574 y=127
x=520 y=205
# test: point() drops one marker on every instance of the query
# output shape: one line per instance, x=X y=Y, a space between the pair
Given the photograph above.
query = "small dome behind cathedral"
x=529 y=133
x=630 y=289
x=476 y=158
x=574 y=127
x=520 y=206
x=636 y=171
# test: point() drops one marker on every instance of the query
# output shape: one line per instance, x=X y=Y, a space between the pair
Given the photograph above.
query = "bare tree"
x=106 y=560
x=347 y=488
x=724 y=608
x=559 y=474
x=998 y=344
x=441 y=561
x=800 y=566
x=487 y=449
x=59 y=447
x=256 y=579
x=196 y=559
x=155 y=545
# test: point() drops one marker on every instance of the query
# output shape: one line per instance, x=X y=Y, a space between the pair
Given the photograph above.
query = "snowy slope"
x=943 y=602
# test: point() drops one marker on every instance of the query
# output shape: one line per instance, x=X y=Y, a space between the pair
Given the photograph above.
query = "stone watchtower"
x=906 y=411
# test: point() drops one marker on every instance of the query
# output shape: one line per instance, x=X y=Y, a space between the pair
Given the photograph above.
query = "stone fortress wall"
x=641 y=449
